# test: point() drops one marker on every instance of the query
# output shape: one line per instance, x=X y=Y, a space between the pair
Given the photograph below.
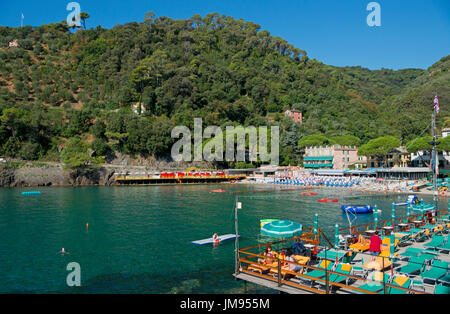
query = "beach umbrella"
x=393 y=214
x=392 y=244
x=336 y=236
x=282 y=229
x=316 y=231
x=316 y=224
x=408 y=212
x=375 y=217
x=392 y=251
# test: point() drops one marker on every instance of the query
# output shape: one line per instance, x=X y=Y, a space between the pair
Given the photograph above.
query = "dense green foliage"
x=60 y=85
x=379 y=147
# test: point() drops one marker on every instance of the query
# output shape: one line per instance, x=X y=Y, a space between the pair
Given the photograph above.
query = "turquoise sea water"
x=138 y=239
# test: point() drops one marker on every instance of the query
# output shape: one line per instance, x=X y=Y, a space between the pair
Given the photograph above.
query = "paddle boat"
x=357 y=209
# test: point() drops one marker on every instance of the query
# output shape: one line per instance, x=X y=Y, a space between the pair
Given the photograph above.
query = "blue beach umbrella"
x=282 y=229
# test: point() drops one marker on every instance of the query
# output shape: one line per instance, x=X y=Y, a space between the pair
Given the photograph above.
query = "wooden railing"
x=360 y=229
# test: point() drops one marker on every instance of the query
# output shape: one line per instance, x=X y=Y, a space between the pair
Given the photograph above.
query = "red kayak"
x=324 y=200
x=312 y=193
x=217 y=191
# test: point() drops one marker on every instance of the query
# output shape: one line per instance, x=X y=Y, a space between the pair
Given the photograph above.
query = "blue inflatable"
x=31 y=193
x=412 y=199
x=357 y=209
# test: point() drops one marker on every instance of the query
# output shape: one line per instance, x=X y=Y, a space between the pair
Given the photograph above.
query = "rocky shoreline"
x=29 y=173
x=54 y=175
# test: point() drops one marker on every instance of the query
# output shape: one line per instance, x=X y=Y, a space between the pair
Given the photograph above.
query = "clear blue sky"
x=413 y=33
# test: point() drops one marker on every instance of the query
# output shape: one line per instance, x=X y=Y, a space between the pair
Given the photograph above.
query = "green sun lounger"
x=438 y=269
x=345 y=269
x=414 y=265
x=395 y=282
x=411 y=252
x=436 y=241
x=318 y=274
x=445 y=279
x=426 y=257
x=441 y=289
x=444 y=247
x=374 y=286
x=331 y=255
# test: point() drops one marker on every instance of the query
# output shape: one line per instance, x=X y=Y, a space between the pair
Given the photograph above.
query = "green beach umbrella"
x=336 y=236
x=392 y=245
x=408 y=212
x=392 y=251
x=282 y=229
x=316 y=224
x=375 y=217
x=393 y=214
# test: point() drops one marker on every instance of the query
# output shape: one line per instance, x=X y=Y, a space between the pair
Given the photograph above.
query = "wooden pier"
x=174 y=179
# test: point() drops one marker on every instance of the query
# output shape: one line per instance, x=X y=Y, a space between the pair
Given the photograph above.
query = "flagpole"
x=434 y=155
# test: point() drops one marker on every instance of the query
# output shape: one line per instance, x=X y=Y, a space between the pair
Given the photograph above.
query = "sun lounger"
x=411 y=252
x=331 y=254
x=359 y=247
x=318 y=274
x=445 y=279
x=436 y=241
x=375 y=286
x=441 y=289
x=415 y=265
x=260 y=268
x=445 y=246
x=300 y=259
x=438 y=269
x=344 y=269
x=399 y=281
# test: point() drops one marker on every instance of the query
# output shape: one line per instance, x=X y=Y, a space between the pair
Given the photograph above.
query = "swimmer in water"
x=216 y=239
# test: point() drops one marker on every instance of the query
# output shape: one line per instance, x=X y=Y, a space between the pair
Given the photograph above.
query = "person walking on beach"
x=375 y=245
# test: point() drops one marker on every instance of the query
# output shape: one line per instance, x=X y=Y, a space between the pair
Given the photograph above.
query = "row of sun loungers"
x=422 y=266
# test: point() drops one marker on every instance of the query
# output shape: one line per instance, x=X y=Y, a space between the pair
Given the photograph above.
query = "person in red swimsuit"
x=375 y=244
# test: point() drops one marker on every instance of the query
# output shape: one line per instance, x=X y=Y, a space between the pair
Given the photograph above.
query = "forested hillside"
x=66 y=94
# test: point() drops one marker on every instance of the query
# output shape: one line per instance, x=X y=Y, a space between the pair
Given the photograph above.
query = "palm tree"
x=83 y=17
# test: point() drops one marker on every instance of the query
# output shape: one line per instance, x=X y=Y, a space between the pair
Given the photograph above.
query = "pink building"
x=295 y=115
x=333 y=157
